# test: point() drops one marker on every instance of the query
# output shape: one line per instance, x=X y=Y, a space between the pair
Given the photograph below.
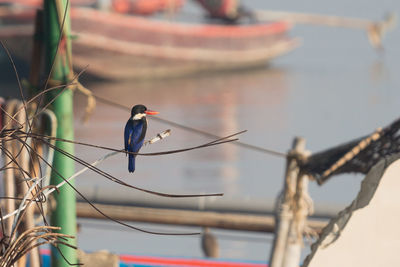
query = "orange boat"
x=138 y=47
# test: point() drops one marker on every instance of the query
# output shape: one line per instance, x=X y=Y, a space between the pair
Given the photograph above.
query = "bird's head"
x=140 y=111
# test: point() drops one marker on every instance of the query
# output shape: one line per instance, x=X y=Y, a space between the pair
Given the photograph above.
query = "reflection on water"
x=225 y=175
x=221 y=105
x=379 y=71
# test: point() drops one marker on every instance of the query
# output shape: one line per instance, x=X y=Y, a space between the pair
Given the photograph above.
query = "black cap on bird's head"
x=138 y=109
x=141 y=110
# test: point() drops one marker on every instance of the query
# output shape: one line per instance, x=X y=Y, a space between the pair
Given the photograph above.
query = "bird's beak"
x=151 y=112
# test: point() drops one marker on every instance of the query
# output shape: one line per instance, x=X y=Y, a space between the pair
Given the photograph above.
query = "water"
x=332 y=89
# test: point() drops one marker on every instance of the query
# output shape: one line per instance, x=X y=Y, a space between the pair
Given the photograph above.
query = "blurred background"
x=334 y=87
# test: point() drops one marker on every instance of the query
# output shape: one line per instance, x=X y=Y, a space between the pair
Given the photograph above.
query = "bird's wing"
x=128 y=134
x=137 y=136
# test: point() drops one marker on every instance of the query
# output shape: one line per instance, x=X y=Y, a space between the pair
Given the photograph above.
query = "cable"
x=193 y=130
x=248 y=237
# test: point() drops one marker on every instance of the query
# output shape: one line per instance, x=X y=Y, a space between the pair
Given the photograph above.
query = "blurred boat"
x=138 y=7
x=120 y=46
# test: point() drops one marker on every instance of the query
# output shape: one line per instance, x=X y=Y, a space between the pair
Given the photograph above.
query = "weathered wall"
x=367 y=233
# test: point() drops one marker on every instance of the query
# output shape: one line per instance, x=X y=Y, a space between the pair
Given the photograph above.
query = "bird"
x=135 y=131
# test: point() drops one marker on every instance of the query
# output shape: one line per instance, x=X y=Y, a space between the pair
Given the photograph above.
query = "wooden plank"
x=232 y=221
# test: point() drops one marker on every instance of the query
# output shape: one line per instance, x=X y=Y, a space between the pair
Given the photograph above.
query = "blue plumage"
x=135 y=131
x=134 y=138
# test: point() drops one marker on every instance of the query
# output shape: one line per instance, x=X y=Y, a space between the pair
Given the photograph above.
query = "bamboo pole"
x=301 y=209
x=118 y=196
x=23 y=158
x=324 y=20
x=285 y=214
x=65 y=214
x=374 y=29
x=9 y=181
x=23 y=162
x=221 y=220
x=34 y=167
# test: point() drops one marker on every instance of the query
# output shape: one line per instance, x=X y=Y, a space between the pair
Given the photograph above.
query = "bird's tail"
x=131 y=165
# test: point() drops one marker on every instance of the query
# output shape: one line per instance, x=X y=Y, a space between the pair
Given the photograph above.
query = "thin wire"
x=222 y=140
x=114 y=179
x=67 y=181
x=193 y=130
x=247 y=237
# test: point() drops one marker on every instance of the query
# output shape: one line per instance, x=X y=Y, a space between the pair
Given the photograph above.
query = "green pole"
x=64 y=215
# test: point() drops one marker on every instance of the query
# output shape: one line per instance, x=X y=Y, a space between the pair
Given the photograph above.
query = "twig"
x=158 y=137
x=27 y=193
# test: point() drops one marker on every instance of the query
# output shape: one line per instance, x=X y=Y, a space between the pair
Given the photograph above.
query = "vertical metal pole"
x=65 y=213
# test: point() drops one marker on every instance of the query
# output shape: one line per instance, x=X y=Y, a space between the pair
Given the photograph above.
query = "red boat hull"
x=136 y=47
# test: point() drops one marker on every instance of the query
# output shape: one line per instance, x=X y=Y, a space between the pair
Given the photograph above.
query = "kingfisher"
x=135 y=131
